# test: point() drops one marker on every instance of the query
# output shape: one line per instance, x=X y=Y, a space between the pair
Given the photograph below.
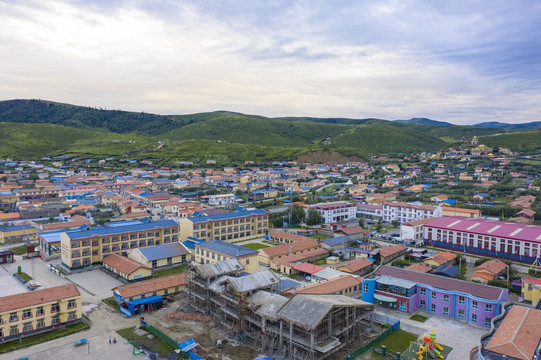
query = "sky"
x=463 y=62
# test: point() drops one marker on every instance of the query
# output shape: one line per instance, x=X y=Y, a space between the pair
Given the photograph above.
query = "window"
x=247 y=261
x=487 y=321
x=27 y=326
x=72 y=316
x=422 y=291
x=445 y=298
x=365 y=287
x=72 y=304
x=154 y=263
x=461 y=300
x=40 y=324
x=422 y=304
x=461 y=313
x=55 y=307
x=433 y=307
x=474 y=318
x=488 y=307
x=13 y=330
x=40 y=311
x=27 y=314
x=433 y=295
x=445 y=311
x=474 y=304
x=55 y=320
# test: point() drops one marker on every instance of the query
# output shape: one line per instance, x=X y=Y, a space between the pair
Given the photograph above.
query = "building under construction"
x=302 y=327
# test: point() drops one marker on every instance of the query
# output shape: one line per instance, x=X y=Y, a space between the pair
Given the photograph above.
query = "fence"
x=161 y=336
x=367 y=347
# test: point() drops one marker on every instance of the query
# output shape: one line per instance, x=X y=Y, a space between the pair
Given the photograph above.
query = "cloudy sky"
x=458 y=61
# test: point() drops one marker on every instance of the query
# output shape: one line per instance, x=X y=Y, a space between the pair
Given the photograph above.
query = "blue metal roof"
x=104 y=231
x=226 y=248
x=447 y=270
x=336 y=240
x=228 y=216
x=146 y=300
x=16 y=228
x=163 y=251
x=123 y=223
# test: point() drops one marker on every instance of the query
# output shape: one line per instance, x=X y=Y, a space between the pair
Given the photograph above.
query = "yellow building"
x=126 y=268
x=531 y=290
x=270 y=193
x=36 y=311
x=86 y=247
x=160 y=256
x=231 y=227
x=453 y=211
x=209 y=252
x=21 y=233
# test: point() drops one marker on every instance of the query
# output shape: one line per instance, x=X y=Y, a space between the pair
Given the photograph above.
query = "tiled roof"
x=330 y=286
x=418 y=222
x=226 y=248
x=357 y=264
x=419 y=267
x=308 y=268
x=24 y=300
x=286 y=248
x=312 y=253
x=123 y=264
x=494 y=266
x=390 y=250
x=149 y=286
x=518 y=335
x=351 y=230
x=289 y=236
x=440 y=282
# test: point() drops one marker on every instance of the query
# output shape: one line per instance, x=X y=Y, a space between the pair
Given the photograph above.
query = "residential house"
x=340 y=285
x=267 y=255
x=392 y=252
x=336 y=243
x=454 y=211
x=353 y=232
x=283 y=237
x=531 y=290
x=419 y=267
x=488 y=271
x=440 y=259
x=356 y=266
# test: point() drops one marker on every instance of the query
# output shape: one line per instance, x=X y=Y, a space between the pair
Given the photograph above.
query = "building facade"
x=40 y=310
x=367 y=211
x=407 y=291
x=216 y=251
x=21 y=233
x=499 y=239
x=405 y=212
x=86 y=247
x=235 y=226
x=335 y=211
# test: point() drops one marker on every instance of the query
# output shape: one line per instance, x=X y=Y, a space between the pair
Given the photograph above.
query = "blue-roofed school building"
x=86 y=247
x=230 y=227
x=20 y=233
x=213 y=251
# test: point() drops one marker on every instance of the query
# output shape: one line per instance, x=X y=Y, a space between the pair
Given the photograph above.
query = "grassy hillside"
x=33 y=141
x=525 y=141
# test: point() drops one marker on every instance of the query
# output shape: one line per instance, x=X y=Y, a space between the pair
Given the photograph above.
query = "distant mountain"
x=424 y=121
x=499 y=125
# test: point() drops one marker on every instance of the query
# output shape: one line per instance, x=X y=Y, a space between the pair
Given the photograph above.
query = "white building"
x=405 y=212
x=367 y=211
x=335 y=211
x=221 y=199
x=414 y=231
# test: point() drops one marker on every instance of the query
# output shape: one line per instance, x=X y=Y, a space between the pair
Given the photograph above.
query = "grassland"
x=255 y=246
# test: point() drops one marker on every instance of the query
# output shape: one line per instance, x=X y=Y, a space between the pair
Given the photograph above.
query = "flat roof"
x=233 y=215
x=105 y=231
x=226 y=248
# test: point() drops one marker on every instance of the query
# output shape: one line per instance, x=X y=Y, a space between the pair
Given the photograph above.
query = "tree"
x=314 y=217
x=395 y=223
x=297 y=215
x=361 y=222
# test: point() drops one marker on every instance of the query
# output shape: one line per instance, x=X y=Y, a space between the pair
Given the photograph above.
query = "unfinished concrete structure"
x=310 y=327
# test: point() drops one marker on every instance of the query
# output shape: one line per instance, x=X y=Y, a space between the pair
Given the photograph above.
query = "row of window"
x=460 y=314
x=117 y=238
x=40 y=324
x=461 y=299
x=229 y=222
x=40 y=311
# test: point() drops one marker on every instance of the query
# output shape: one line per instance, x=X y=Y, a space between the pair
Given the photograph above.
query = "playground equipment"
x=430 y=347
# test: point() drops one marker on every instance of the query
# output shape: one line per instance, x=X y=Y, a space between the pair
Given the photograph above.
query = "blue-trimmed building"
x=213 y=251
x=86 y=247
x=230 y=227
x=407 y=291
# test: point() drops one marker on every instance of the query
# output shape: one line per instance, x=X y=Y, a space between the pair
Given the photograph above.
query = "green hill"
x=36 y=128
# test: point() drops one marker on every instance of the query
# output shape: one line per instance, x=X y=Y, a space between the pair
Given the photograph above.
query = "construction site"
x=251 y=313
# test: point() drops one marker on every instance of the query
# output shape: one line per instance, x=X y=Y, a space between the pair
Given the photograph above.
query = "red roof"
x=532 y=280
x=502 y=229
x=308 y=268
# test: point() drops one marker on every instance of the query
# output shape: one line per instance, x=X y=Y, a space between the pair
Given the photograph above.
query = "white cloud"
x=381 y=59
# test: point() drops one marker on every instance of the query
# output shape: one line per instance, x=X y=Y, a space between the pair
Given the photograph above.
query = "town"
x=413 y=256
